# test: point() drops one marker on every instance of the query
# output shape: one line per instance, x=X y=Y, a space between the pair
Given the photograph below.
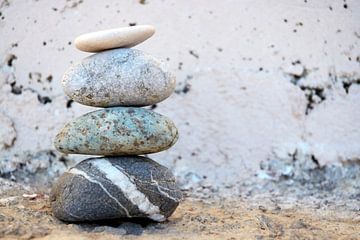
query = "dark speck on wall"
x=194 y=54
x=10 y=60
x=185 y=89
x=44 y=43
x=132 y=24
x=44 y=100
x=49 y=78
x=296 y=62
x=69 y=103
x=17 y=90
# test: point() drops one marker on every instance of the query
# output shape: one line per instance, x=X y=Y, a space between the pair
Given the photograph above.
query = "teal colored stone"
x=117 y=131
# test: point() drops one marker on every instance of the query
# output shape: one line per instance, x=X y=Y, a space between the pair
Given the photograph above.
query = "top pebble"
x=114 y=38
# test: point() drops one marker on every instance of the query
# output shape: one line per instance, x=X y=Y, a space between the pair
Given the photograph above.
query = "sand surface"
x=22 y=218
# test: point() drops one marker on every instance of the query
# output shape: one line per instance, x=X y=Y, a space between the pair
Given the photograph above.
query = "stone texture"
x=119 y=77
x=115 y=187
x=125 y=37
x=117 y=131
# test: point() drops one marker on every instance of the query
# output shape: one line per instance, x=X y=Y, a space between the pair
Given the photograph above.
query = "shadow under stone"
x=134 y=226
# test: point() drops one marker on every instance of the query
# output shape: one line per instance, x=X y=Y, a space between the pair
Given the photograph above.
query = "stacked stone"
x=120 y=184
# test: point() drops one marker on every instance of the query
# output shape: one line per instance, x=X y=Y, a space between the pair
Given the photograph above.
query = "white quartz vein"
x=90 y=179
x=161 y=191
x=129 y=189
x=152 y=183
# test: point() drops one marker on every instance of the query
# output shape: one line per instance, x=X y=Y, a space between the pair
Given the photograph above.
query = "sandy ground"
x=318 y=203
x=28 y=217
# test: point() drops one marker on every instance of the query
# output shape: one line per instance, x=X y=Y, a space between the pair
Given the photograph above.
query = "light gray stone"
x=119 y=77
x=114 y=38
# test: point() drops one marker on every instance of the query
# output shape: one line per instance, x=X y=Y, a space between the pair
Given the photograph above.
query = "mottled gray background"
x=261 y=84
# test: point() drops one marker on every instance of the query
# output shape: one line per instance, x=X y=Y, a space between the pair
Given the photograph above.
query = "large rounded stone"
x=119 y=77
x=115 y=187
x=114 y=38
x=117 y=131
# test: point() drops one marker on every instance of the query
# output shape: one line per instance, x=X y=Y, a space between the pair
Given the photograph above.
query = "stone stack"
x=120 y=184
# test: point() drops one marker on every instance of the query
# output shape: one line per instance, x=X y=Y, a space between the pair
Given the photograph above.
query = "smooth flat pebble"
x=117 y=131
x=115 y=187
x=119 y=77
x=124 y=37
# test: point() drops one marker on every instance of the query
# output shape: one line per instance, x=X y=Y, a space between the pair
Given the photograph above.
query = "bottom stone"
x=115 y=187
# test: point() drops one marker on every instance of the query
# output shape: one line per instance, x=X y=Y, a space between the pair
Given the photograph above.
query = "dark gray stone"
x=115 y=187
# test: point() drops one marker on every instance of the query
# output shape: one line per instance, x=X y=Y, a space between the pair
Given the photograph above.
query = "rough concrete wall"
x=257 y=80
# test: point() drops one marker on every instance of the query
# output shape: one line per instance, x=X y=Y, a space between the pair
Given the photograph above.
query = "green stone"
x=117 y=131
